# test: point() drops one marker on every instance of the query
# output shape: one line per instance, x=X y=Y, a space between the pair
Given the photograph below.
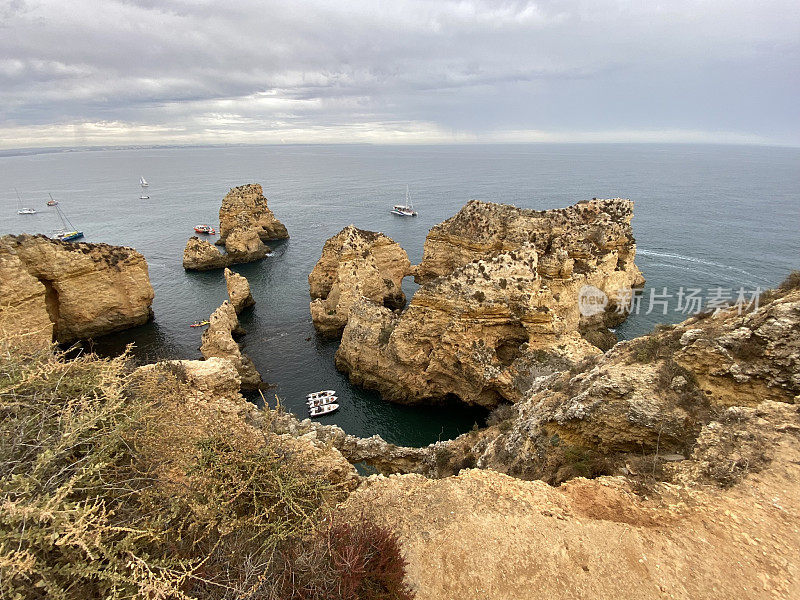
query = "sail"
x=142 y=181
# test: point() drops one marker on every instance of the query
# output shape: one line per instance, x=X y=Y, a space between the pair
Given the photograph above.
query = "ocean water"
x=706 y=217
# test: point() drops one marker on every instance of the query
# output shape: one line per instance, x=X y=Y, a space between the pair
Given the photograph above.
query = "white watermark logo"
x=591 y=300
x=686 y=301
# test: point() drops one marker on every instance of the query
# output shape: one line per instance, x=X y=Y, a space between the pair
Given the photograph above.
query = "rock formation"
x=84 y=290
x=499 y=304
x=355 y=264
x=243 y=246
x=238 y=291
x=201 y=255
x=24 y=316
x=245 y=207
x=205 y=402
x=218 y=342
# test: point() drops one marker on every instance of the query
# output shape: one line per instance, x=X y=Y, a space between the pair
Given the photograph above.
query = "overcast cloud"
x=83 y=72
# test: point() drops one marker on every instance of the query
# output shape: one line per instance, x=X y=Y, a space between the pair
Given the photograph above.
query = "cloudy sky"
x=100 y=72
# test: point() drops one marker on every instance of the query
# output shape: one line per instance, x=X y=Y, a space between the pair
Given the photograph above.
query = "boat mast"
x=19 y=200
x=64 y=220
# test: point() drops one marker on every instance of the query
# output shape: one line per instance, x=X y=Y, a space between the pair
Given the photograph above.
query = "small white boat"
x=318 y=411
x=313 y=395
x=143 y=182
x=144 y=197
x=404 y=210
x=23 y=210
x=322 y=401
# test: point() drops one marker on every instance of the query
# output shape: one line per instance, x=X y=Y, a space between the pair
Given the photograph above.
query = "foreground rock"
x=656 y=395
x=484 y=535
x=84 y=290
x=245 y=207
x=355 y=264
x=205 y=402
x=499 y=305
x=238 y=291
x=218 y=342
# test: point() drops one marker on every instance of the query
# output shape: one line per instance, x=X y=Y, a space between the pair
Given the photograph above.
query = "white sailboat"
x=143 y=182
x=404 y=210
x=23 y=210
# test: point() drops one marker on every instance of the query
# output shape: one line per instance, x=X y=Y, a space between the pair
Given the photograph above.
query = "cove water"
x=705 y=217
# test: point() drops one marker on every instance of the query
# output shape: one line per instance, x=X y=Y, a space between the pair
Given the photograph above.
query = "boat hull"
x=323 y=410
x=68 y=237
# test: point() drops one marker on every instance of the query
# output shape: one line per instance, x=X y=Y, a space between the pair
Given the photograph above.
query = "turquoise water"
x=705 y=216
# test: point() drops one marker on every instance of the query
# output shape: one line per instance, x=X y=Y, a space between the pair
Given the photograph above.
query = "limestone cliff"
x=485 y=536
x=86 y=290
x=499 y=304
x=218 y=342
x=355 y=264
x=205 y=401
x=23 y=304
x=699 y=426
x=245 y=207
x=238 y=291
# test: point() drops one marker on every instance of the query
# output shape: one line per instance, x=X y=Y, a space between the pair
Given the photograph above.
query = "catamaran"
x=23 y=210
x=67 y=233
x=404 y=210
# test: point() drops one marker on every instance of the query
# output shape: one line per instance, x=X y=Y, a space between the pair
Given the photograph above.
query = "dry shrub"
x=344 y=561
x=90 y=509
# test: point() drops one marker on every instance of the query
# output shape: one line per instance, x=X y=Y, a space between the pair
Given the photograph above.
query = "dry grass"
x=109 y=491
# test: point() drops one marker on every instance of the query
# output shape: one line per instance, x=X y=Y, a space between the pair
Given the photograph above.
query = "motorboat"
x=207 y=229
x=326 y=409
x=314 y=395
x=322 y=401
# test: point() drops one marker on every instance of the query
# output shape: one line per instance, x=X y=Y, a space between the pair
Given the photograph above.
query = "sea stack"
x=245 y=207
x=218 y=342
x=238 y=291
x=66 y=291
x=355 y=264
x=202 y=255
x=499 y=304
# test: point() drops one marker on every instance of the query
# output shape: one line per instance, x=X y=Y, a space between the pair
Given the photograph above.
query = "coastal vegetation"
x=105 y=494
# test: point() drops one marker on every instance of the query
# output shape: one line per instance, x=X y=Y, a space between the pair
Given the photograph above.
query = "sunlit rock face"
x=245 y=207
x=71 y=291
x=218 y=341
x=355 y=264
x=499 y=304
